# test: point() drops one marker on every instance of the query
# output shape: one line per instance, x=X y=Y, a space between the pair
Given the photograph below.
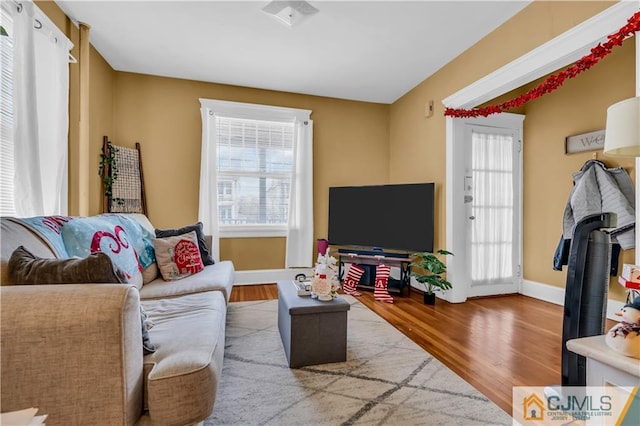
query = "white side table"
x=604 y=365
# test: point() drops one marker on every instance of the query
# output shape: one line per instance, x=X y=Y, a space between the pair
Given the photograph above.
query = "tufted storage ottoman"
x=188 y=333
x=312 y=332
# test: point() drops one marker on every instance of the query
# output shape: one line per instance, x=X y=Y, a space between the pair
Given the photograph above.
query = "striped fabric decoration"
x=380 y=292
x=352 y=279
x=127 y=188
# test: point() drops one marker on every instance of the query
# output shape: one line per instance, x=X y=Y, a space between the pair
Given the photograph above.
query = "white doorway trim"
x=549 y=57
x=563 y=50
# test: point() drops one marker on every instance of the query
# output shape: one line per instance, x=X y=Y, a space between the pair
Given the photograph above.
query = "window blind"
x=7 y=168
x=254 y=171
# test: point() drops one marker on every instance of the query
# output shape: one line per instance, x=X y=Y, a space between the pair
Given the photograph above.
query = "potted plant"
x=430 y=271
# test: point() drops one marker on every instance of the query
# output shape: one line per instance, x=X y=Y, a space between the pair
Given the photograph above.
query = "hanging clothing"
x=599 y=189
x=561 y=256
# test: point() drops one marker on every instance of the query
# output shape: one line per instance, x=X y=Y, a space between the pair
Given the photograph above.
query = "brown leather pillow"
x=25 y=268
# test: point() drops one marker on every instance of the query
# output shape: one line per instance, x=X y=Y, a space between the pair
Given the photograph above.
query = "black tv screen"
x=398 y=217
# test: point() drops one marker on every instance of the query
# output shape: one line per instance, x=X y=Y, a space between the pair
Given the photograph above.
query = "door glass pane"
x=493 y=208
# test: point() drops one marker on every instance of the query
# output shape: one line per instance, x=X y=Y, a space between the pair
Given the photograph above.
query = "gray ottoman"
x=312 y=332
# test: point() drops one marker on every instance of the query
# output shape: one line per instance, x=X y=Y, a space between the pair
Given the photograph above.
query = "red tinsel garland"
x=554 y=81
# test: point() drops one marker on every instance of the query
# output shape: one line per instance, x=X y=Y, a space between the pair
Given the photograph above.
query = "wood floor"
x=494 y=343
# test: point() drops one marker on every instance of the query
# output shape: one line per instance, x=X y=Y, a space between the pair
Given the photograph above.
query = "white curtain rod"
x=50 y=27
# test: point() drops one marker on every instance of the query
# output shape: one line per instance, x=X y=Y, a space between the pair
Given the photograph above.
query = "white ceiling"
x=373 y=51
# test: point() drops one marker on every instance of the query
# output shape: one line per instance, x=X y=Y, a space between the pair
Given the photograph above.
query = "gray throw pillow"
x=202 y=243
x=26 y=268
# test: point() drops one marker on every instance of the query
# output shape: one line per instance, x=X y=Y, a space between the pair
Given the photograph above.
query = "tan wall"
x=417 y=144
x=163 y=114
x=578 y=107
x=255 y=253
x=101 y=112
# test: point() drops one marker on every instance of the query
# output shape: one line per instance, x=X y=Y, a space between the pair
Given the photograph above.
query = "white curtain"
x=208 y=205
x=41 y=92
x=492 y=229
x=300 y=229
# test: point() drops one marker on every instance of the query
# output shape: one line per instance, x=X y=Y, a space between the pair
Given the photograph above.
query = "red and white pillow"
x=178 y=256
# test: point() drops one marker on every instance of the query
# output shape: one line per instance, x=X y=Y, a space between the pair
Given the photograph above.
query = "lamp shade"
x=622 y=136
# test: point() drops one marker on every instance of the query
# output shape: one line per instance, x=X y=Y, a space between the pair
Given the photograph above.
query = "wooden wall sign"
x=592 y=141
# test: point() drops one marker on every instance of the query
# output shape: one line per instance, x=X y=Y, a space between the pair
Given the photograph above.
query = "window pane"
x=255 y=163
x=253 y=200
x=251 y=145
x=492 y=229
x=7 y=204
x=279 y=160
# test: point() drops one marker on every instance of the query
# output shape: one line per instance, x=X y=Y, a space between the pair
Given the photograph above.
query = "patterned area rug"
x=387 y=379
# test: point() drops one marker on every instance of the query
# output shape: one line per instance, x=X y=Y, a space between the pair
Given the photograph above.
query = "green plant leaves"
x=109 y=162
x=431 y=268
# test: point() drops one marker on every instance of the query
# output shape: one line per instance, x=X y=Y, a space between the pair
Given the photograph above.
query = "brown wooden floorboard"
x=494 y=343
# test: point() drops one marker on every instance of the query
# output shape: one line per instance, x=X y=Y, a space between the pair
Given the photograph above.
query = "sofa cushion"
x=14 y=235
x=178 y=257
x=181 y=377
x=143 y=220
x=142 y=240
x=213 y=277
x=83 y=236
x=202 y=244
x=26 y=268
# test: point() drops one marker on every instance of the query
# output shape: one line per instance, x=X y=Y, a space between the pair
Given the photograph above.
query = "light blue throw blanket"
x=50 y=229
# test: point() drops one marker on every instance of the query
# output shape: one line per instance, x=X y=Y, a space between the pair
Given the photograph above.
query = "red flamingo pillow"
x=85 y=236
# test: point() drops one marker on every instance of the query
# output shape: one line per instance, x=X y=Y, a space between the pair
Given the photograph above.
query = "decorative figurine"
x=624 y=337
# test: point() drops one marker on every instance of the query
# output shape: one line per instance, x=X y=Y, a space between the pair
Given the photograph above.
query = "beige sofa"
x=74 y=351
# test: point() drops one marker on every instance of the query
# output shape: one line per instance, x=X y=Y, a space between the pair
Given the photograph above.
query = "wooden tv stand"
x=397 y=260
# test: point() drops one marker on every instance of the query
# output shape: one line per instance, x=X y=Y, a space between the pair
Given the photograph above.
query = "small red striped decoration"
x=380 y=292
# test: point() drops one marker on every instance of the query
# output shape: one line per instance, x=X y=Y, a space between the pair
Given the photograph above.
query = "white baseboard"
x=545 y=292
x=262 y=276
x=555 y=295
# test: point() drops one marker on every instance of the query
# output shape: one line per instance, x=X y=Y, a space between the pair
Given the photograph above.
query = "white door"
x=484 y=186
x=493 y=207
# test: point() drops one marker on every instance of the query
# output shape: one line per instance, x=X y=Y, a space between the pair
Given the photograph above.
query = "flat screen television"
x=391 y=217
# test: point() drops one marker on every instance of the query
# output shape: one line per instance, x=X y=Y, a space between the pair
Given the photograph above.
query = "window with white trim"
x=254 y=168
x=256 y=175
x=7 y=168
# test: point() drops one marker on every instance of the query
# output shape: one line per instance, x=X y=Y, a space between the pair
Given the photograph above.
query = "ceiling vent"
x=289 y=12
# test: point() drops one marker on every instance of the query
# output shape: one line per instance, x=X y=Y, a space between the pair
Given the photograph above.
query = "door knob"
x=472 y=217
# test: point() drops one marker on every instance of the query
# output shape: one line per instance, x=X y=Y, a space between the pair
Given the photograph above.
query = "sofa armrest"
x=73 y=351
